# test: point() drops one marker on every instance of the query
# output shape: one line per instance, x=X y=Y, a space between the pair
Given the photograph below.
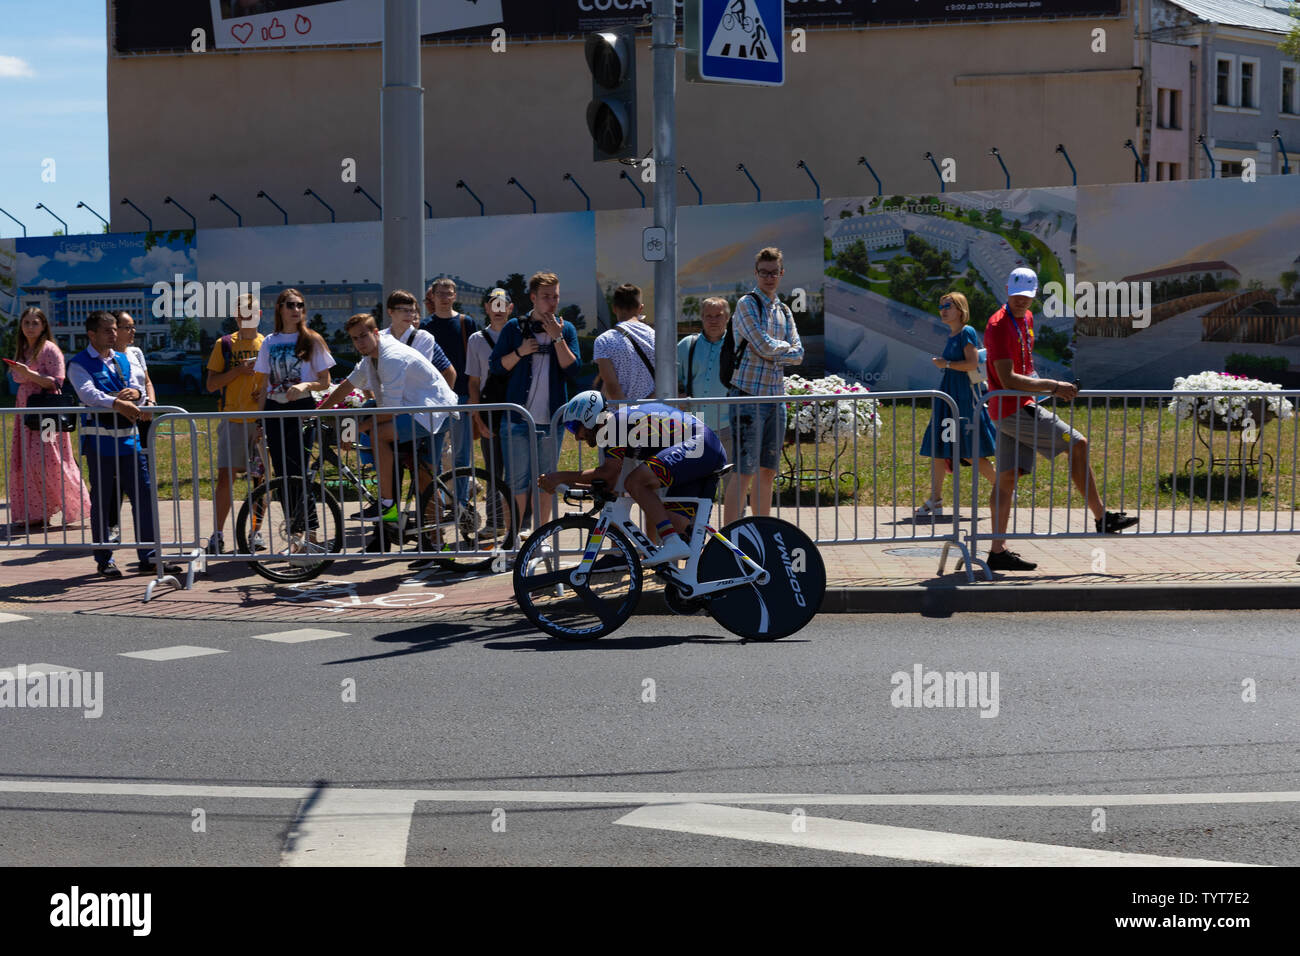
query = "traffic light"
x=611 y=114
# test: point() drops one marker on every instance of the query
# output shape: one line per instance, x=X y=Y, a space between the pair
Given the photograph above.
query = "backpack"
x=493 y=388
x=729 y=356
x=690 y=365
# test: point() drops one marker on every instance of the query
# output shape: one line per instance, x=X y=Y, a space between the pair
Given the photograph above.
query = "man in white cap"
x=1024 y=427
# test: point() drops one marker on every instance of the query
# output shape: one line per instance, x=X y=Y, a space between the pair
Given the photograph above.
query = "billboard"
x=147 y=25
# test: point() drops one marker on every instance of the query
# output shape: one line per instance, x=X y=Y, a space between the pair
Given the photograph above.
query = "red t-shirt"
x=1004 y=338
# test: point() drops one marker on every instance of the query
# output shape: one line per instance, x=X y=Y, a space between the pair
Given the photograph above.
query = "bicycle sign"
x=654 y=243
x=736 y=41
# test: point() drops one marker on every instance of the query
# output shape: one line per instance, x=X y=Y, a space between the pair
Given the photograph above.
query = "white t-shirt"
x=539 y=389
x=422 y=341
x=637 y=381
x=283 y=369
x=478 y=357
x=400 y=376
x=139 y=371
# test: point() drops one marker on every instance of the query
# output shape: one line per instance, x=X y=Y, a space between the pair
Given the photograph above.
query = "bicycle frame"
x=619 y=514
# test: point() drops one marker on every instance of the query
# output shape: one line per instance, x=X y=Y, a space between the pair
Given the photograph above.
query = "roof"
x=1251 y=14
x=1216 y=265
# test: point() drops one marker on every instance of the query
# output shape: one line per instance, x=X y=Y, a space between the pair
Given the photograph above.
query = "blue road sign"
x=740 y=41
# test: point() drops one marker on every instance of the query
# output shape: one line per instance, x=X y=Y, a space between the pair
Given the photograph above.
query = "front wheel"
x=586 y=610
x=796 y=582
x=289 y=543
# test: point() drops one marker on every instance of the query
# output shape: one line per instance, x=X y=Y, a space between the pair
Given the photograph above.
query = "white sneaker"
x=674 y=549
x=932 y=507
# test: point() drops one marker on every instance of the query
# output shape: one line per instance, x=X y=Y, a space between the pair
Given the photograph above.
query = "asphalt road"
x=477 y=741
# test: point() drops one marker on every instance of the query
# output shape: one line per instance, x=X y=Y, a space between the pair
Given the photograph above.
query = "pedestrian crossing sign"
x=739 y=41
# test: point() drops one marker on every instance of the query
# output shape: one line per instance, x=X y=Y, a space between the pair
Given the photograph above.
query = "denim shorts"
x=758 y=432
x=518 y=464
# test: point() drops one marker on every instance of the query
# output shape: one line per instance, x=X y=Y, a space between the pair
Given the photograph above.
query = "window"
x=1174 y=172
x=1223 y=81
x=1160 y=171
x=1175 y=114
x=1162 y=109
x=1290 y=93
x=1230 y=170
x=1248 y=71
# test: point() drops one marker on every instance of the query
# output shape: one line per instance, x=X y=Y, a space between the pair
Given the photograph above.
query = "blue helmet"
x=584 y=409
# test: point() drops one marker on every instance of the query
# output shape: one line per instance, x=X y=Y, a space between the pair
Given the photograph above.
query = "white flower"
x=837 y=416
x=1225 y=407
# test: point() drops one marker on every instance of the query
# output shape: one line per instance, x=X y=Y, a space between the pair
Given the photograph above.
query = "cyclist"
x=676 y=450
x=397 y=375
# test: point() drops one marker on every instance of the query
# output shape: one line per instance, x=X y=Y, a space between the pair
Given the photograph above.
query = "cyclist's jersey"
x=679 y=448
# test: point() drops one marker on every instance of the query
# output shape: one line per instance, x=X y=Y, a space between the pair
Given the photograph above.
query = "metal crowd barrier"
x=1242 y=465
x=854 y=496
x=309 y=511
x=53 y=448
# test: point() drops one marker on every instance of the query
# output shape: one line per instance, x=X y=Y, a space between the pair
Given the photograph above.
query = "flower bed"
x=1228 y=411
x=826 y=420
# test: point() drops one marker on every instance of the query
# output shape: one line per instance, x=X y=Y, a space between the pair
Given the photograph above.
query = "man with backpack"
x=485 y=388
x=625 y=355
x=761 y=340
x=230 y=372
x=451 y=330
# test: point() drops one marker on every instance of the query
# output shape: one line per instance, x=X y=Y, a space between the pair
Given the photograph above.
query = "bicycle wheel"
x=290 y=546
x=576 y=612
x=796 y=582
x=484 y=524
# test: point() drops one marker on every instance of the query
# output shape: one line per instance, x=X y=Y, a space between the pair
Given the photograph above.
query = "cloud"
x=26 y=267
x=13 y=67
x=72 y=256
x=162 y=263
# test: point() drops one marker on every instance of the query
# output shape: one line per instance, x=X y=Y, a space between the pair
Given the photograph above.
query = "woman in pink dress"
x=44 y=477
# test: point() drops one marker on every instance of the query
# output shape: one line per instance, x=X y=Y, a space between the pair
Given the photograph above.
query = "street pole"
x=664 y=45
x=402 y=149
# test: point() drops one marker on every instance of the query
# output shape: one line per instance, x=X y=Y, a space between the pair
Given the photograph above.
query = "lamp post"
x=624 y=175
x=147 y=221
x=261 y=194
x=358 y=189
x=1200 y=138
x=1060 y=148
x=239 y=220
x=82 y=205
x=1286 y=163
x=311 y=192
x=461 y=184
x=1128 y=144
x=816 y=185
x=428 y=209
x=24 y=228
x=41 y=205
x=930 y=157
x=514 y=182
x=168 y=201
x=758 y=193
x=691 y=179
x=994 y=153
x=862 y=161
x=568 y=177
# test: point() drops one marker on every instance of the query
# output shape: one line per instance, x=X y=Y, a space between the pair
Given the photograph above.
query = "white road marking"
x=299 y=635
x=352 y=828
x=871 y=839
x=6 y=618
x=176 y=653
x=43 y=669
x=631 y=798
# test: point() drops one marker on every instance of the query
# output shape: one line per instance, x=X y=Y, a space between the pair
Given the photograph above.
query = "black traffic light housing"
x=611 y=114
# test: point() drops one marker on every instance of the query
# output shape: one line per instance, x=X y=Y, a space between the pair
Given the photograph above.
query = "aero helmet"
x=584 y=409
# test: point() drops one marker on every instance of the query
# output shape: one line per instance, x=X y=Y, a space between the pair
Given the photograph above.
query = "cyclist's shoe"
x=377 y=512
x=674 y=549
x=1009 y=561
x=1115 y=522
x=215 y=544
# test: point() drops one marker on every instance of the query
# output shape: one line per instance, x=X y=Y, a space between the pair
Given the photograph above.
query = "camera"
x=533 y=328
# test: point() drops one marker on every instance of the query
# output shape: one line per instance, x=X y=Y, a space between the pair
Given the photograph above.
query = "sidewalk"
x=1118 y=572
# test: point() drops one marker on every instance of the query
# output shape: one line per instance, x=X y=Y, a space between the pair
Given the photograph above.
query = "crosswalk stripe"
x=7 y=618
x=299 y=636
x=175 y=653
x=351 y=828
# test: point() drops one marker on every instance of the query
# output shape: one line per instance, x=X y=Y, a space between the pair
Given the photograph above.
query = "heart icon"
x=247 y=29
x=302 y=24
x=268 y=33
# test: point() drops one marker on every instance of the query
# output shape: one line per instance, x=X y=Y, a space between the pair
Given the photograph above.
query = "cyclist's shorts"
x=686 y=469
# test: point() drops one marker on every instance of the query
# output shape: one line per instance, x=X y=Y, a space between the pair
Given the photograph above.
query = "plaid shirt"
x=771 y=342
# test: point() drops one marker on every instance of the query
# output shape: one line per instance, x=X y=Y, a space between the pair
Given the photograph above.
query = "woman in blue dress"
x=960 y=356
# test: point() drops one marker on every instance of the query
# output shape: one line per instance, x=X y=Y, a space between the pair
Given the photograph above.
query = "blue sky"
x=53 y=104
